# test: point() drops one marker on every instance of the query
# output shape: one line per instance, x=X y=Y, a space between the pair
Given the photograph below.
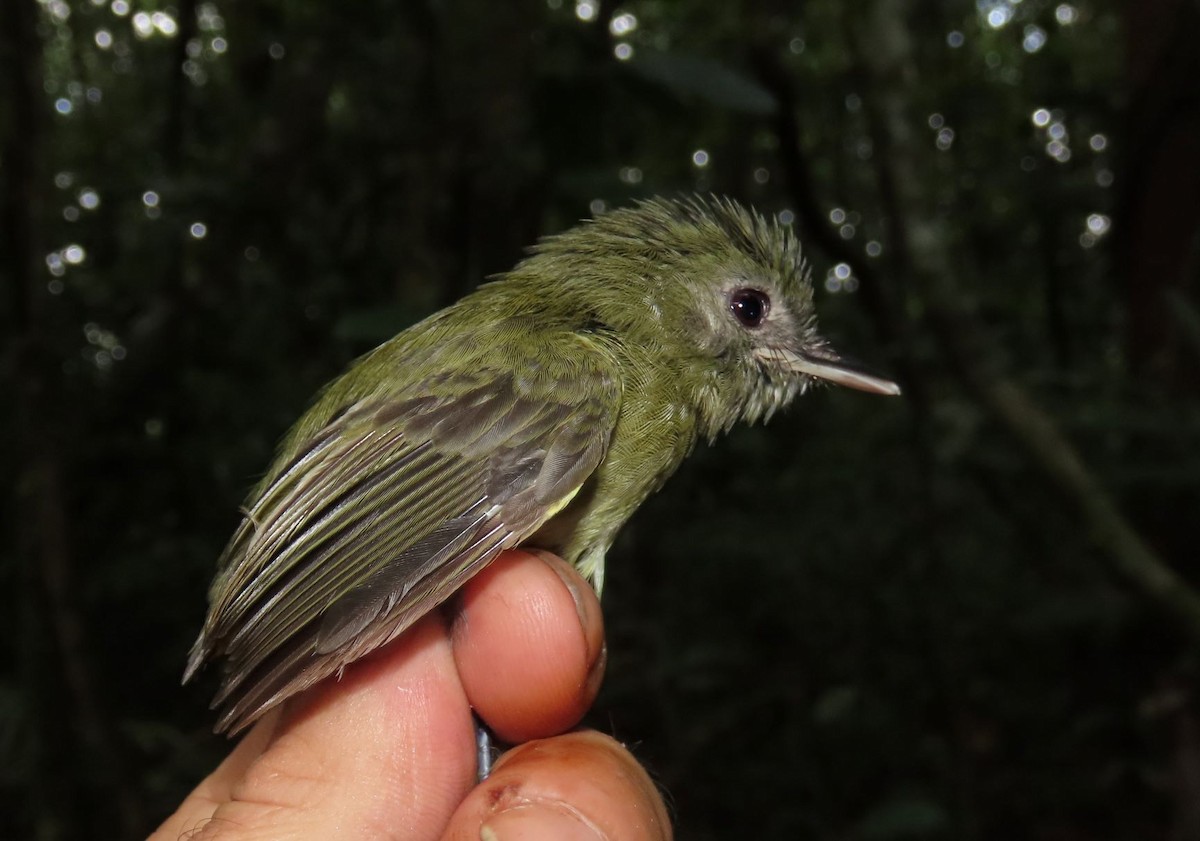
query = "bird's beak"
x=827 y=365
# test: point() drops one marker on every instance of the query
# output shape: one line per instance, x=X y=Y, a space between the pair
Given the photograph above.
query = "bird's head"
x=721 y=292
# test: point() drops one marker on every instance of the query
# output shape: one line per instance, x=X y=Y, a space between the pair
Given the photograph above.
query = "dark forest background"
x=966 y=614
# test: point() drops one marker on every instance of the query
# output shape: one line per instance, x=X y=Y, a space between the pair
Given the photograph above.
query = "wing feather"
x=390 y=506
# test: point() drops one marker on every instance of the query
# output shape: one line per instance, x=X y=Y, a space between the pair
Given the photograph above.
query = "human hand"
x=388 y=751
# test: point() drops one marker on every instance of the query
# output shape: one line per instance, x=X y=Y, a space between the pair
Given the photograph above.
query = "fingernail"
x=596 y=672
x=571 y=582
x=538 y=821
x=597 y=647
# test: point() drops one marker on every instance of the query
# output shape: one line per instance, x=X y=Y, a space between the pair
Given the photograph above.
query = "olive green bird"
x=540 y=410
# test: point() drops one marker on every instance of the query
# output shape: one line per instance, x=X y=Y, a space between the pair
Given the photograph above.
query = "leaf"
x=835 y=704
x=904 y=816
x=694 y=77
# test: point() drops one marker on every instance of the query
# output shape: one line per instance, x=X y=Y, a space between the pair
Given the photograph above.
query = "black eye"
x=749 y=306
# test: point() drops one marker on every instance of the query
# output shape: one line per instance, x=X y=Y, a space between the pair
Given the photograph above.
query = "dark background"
x=967 y=613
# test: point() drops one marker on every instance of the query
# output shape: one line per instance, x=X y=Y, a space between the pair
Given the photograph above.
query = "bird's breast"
x=648 y=444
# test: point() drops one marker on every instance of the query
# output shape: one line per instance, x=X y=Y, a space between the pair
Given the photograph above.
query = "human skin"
x=388 y=751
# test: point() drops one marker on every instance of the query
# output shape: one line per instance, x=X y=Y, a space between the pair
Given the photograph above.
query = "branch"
x=918 y=254
x=1059 y=461
x=889 y=61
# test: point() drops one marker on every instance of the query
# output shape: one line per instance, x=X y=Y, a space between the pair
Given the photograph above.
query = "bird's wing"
x=390 y=507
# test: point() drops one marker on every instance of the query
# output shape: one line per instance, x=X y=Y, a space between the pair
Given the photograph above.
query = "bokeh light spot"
x=585 y=10
x=142 y=25
x=622 y=24
x=1035 y=39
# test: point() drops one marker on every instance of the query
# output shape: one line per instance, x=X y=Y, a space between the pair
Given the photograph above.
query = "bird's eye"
x=749 y=306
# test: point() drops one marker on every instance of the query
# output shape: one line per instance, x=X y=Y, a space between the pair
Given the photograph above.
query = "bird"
x=540 y=410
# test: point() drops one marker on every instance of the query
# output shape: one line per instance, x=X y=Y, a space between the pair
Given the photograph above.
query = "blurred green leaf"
x=904 y=816
x=834 y=704
x=692 y=77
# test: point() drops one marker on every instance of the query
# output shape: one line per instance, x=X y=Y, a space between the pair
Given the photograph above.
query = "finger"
x=217 y=787
x=580 y=785
x=529 y=642
x=387 y=751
